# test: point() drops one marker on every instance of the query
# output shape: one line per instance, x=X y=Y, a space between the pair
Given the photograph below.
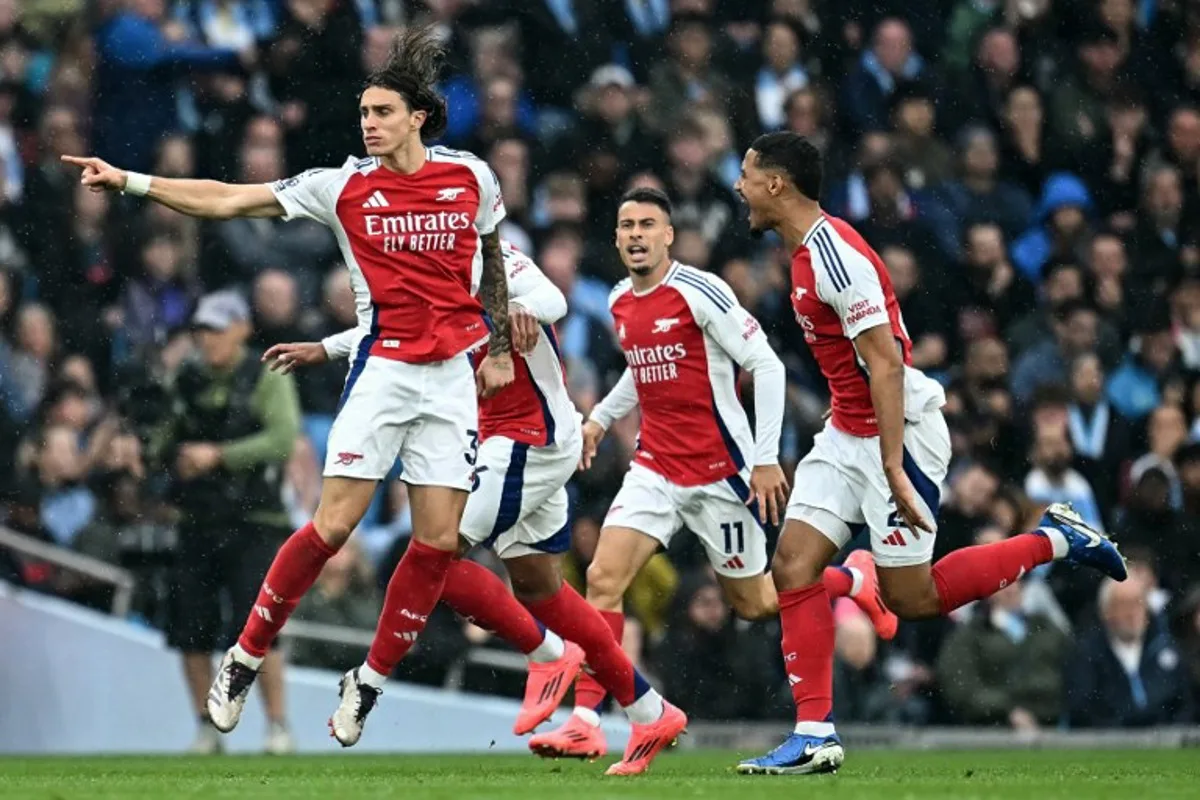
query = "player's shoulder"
x=442 y=154
x=623 y=288
x=701 y=288
x=515 y=260
x=833 y=237
x=838 y=252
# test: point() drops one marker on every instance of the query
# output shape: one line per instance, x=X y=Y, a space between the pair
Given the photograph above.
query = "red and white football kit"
x=412 y=244
x=841 y=288
x=683 y=341
x=529 y=432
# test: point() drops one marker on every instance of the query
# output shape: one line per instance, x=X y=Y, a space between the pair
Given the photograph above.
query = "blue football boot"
x=799 y=754
x=1088 y=547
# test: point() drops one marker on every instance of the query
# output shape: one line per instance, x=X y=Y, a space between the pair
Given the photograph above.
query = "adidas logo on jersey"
x=376 y=200
x=449 y=195
x=734 y=563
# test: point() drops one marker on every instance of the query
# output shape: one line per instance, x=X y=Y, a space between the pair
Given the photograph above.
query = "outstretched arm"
x=196 y=198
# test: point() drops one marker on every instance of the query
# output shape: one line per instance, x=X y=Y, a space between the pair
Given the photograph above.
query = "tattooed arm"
x=493 y=292
x=496 y=371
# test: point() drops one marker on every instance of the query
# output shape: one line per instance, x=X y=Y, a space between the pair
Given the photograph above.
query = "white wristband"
x=136 y=184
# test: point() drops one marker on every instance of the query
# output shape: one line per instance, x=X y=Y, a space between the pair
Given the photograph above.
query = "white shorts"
x=426 y=414
x=840 y=486
x=716 y=512
x=519 y=504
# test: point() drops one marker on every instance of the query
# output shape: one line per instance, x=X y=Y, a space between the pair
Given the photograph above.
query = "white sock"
x=1057 y=540
x=242 y=657
x=818 y=729
x=551 y=649
x=588 y=715
x=370 y=677
x=857 y=577
x=646 y=709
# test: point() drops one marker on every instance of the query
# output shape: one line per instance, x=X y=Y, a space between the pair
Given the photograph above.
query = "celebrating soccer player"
x=697 y=464
x=417 y=228
x=880 y=461
x=530 y=445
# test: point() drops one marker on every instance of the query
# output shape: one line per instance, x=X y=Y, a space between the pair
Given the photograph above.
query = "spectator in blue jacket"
x=136 y=72
x=1126 y=674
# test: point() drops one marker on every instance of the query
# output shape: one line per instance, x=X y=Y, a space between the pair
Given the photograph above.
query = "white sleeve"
x=312 y=194
x=340 y=345
x=619 y=402
x=739 y=334
x=848 y=282
x=528 y=286
x=491 y=202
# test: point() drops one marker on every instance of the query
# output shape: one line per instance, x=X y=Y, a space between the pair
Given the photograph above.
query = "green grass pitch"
x=1033 y=775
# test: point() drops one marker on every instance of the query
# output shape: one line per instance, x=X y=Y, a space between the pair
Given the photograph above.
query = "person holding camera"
x=226 y=444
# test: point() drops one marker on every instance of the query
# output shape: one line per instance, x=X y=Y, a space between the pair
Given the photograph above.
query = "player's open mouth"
x=635 y=250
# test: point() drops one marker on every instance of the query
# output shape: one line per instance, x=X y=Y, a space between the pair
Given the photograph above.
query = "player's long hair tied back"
x=412 y=69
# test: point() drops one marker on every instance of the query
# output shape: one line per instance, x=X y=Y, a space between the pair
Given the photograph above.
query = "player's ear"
x=669 y=238
x=418 y=119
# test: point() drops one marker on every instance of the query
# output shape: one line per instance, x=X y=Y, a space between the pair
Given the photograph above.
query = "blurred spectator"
x=978 y=195
x=1002 y=667
x=231 y=430
x=244 y=247
x=137 y=58
x=1060 y=225
x=1053 y=480
x=706 y=651
x=1075 y=333
x=1122 y=674
x=869 y=86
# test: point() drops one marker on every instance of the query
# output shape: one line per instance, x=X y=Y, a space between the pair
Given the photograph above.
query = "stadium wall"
x=76 y=681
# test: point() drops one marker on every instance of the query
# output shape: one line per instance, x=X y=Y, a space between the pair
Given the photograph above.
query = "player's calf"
x=910 y=592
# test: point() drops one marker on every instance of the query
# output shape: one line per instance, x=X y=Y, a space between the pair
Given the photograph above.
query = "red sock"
x=412 y=593
x=599 y=634
x=292 y=573
x=973 y=573
x=474 y=592
x=806 y=617
x=838 y=582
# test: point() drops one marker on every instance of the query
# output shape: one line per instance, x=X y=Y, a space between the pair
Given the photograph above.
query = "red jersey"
x=840 y=288
x=412 y=245
x=683 y=341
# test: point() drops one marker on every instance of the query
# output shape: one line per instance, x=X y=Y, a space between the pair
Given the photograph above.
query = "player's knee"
x=791 y=570
x=605 y=585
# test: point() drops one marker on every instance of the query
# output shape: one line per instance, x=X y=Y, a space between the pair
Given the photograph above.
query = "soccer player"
x=697 y=464
x=880 y=461
x=530 y=445
x=417 y=229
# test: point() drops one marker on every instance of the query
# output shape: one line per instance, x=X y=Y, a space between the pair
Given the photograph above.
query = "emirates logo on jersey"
x=416 y=232
x=655 y=364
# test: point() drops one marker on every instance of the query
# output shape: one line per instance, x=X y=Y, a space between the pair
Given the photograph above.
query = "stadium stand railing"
x=121 y=580
x=124 y=583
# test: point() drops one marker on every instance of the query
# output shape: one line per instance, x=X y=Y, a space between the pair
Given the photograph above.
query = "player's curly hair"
x=412 y=70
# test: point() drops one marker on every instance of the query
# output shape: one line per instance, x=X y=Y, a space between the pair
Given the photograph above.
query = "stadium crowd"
x=1028 y=170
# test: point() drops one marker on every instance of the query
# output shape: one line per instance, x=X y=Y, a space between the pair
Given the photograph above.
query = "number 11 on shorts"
x=729 y=530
